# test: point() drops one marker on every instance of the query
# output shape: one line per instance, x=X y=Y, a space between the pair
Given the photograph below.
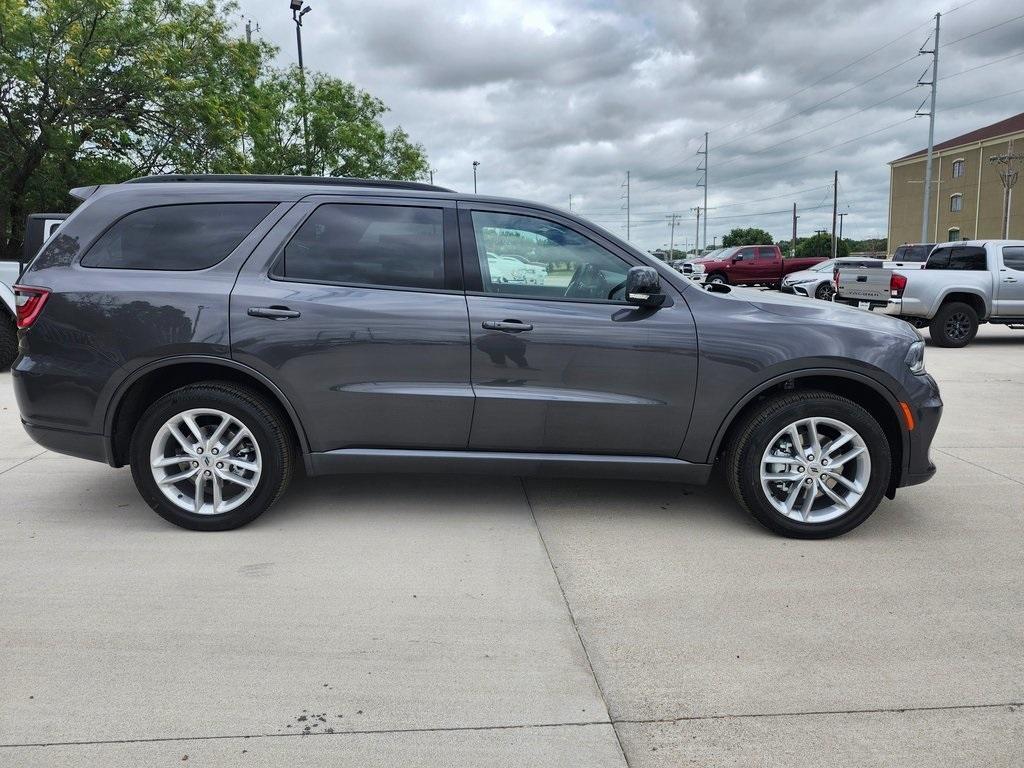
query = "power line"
x=981 y=66
x=986 y=29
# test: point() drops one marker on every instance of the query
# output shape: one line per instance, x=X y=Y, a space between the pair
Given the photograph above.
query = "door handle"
x=1009 y=279
x=509 y=326
x=274 y=313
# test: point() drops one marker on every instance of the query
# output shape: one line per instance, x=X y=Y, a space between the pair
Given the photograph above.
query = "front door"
x=560 y=363
x=354 y=308
x=1010 y=282
x=744 y=268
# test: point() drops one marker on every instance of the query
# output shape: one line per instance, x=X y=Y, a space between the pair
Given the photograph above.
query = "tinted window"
x=766 y=254
x=527 y=256
x=956 y=257
x=176 y=237
x=912 y=253
x=1013 y=257
x=382 y=245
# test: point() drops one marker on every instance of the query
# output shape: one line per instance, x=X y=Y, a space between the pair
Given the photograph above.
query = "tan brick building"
x=967 y=193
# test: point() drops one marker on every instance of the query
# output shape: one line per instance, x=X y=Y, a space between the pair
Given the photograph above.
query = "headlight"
x=698 y=267
x=915 y=357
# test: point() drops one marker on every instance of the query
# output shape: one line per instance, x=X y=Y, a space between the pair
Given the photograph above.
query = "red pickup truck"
x=748 y=265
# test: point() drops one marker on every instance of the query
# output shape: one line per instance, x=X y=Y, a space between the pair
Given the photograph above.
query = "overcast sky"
x=563 y=97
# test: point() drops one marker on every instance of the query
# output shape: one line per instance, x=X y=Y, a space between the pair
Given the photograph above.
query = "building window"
x=953 y=235
x=956 y=203
x=958 y=169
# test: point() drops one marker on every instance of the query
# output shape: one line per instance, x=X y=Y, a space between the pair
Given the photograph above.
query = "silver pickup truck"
x=962 y=285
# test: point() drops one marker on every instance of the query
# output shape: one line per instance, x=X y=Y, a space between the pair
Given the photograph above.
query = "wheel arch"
x=972 y=299
x=152 y=381
x=878 y=400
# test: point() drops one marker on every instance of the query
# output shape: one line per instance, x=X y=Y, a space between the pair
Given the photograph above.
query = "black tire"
x=8 y=340
x=750 y=441
x=717 y=278
x=825 y=292
x=954 y=325
x=263 y=420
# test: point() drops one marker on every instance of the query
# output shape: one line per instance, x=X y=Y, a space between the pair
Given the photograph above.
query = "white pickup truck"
x=962 y=284
x=38 y=229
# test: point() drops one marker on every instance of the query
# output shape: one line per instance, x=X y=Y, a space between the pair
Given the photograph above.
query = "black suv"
x=213 y=331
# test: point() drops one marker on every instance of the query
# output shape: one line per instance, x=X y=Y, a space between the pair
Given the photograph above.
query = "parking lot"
x=407 y=620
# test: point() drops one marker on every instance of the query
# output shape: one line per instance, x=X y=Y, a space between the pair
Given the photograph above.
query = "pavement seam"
x=23 y=461
x=522 y=726
x=980 y=466
x=572 y=618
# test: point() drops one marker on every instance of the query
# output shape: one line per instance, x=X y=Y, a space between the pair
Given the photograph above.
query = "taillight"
x=897 y=284
x=30 y=301
x=835 y=277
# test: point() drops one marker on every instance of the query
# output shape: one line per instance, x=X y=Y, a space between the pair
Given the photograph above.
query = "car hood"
x=826 y=312
x=804 y=274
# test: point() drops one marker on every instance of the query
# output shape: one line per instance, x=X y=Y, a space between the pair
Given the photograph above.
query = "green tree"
x=96 y=91
x=748 y=236
x=820 y=247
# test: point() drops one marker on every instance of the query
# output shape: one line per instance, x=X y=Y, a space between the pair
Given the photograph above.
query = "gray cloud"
x=564 y=96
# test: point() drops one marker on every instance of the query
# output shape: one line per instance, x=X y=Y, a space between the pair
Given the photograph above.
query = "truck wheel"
x=211 y=456
x=809 y=465
x=8 y=341
x=717 y=278
x=954 y=325
x=826 y=292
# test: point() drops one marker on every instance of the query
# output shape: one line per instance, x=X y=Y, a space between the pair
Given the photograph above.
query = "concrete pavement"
x=483 y=621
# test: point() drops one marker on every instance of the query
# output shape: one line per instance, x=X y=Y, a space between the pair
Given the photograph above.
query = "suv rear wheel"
x=954 y=325
x=809 y=465
x=211 y=456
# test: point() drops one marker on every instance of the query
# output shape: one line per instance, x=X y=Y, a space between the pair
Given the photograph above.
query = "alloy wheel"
x=815 y=470
x=205 y=461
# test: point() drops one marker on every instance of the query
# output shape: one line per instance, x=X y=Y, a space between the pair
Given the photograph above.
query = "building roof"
x=1013 y=124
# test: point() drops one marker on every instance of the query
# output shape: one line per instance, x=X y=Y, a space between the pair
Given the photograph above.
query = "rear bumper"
x=892 y=307
x=83 y=445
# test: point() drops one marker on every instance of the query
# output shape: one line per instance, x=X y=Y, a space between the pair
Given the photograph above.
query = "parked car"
x=963 y=284
x=819 y=281
x=750 y=265
x=505 y=268
x=38 y=228
x=353 y=326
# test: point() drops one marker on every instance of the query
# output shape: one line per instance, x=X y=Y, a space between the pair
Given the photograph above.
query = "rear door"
x=769 y=265
x=1010 y=282
x=564 y=364
x=354 y=307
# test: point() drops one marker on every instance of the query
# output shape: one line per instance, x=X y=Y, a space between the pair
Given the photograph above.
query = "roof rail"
x=330 y=181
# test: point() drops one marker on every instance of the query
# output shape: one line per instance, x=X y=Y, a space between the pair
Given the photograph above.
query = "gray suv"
x=213 y=332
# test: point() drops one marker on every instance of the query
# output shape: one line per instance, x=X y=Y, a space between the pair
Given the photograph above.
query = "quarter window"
x=956 y=203
x=388 y=246
x=958 y=169
x=176 y=237
x=528 y=256
x=1013 y=257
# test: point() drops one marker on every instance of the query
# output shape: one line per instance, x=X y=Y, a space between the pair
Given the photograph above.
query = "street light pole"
x=298 y=11
x=476 y=164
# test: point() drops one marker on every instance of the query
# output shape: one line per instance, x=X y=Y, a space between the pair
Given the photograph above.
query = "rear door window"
x=968 y=258
x=766 y=254
x=1013 y=257
x=176 y=237
x=382 y=246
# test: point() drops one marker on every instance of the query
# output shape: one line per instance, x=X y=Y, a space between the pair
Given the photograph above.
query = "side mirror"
x=643 y=287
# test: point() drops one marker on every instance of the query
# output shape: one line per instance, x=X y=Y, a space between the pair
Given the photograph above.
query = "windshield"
x=722 y=254
x=825 y=266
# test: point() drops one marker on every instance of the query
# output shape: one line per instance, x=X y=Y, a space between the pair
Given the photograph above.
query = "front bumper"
x=927 y=412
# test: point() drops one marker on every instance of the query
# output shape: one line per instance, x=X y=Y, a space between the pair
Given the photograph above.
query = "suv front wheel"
x=211 y=456
x=809 y=465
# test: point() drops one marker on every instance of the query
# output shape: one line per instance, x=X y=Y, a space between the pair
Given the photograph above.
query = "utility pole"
x=1008 y=174
x=703 y=166
x=841 y=217
x=795 y=217
x=570 y=202
x=298 y=11
x=673 y=219
x=626 y=185
x=835 y=207
x=696 y=209
x=249 y=29
x=432 y=175
x=476 y=164
x=934 y=83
